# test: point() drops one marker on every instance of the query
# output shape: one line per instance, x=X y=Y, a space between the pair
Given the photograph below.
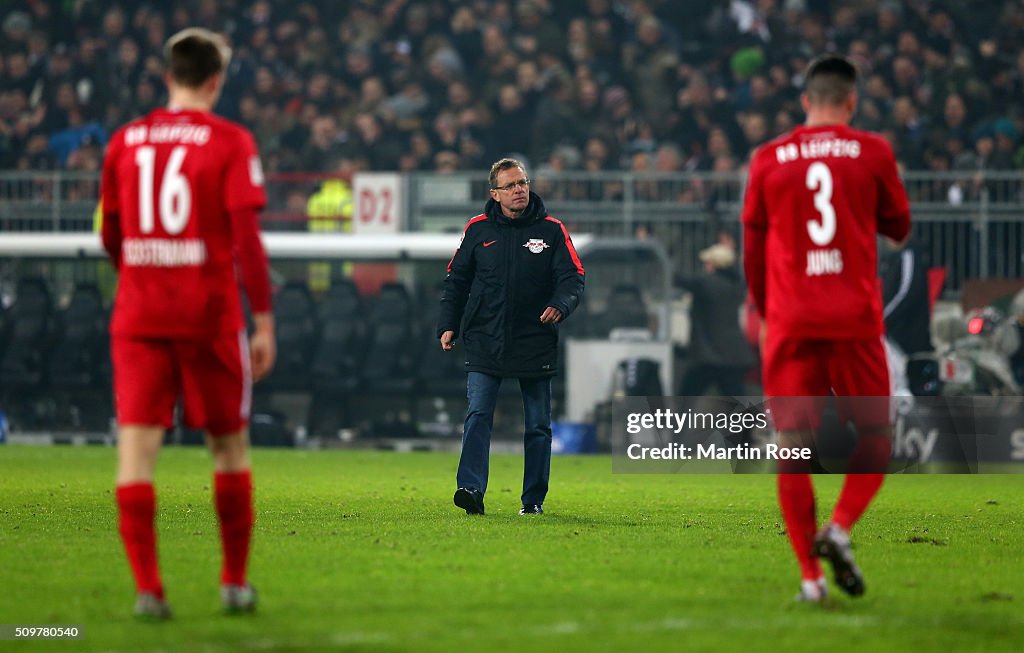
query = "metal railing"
x=970 y=223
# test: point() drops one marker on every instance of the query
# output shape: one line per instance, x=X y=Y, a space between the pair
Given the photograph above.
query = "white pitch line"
x=349 y=638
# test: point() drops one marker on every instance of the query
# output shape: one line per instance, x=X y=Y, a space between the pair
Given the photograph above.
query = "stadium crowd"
x=568 y=85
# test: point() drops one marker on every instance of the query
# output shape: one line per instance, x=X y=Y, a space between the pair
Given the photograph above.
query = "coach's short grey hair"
x=503 y=164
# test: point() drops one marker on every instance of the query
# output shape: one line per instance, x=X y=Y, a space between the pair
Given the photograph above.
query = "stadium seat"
x=439 y=372
x=80 y=344
x=440 y=377
x=335 y=366
x=389 y=365
x=297 y=330
x=27 y=330
x=79 y=363
x=625 y=309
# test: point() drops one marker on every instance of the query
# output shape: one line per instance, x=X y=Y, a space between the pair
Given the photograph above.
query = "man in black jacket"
x=907 y=309
x=719 y=354
x=514 y=277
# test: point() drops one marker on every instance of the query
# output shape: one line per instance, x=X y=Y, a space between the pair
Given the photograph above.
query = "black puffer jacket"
x=715 y=335
x=502 y=277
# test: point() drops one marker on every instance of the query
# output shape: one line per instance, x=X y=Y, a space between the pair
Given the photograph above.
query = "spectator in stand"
x=446 y=162
x=649 y=60
x=755 y=130
x=954 y=121
x=1006 y=137
x=910 y=131
x=323 y=145
x=515 y=118
x=705 y=63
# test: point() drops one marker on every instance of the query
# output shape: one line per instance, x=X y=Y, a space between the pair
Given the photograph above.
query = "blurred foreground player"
x=815 y=199
x=182 y=190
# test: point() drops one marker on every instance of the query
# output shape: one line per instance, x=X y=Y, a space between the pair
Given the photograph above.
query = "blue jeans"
x=482 y=392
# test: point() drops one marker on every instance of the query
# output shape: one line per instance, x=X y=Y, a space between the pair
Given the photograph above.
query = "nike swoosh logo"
x=489 y=243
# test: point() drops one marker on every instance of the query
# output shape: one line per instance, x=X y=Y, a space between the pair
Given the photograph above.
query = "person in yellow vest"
x=329 y=210
x=106 y=276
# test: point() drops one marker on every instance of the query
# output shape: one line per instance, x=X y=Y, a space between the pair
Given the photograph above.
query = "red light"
x=950 y=369
x=975 y=325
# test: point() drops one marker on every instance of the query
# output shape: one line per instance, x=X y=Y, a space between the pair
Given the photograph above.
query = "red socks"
x=232 y=497
x=796 y=497
x=865 y=474
x=864 y=477
x=136 y=503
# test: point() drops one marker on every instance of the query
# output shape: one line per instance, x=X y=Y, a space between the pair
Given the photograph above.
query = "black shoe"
x=531 y=509
x=833 y=544
x=472 y=501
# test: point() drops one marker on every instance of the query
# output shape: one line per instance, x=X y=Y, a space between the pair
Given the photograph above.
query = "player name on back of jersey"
x=818 y=148
x=186 y=133
x=164 y=252
x=824 y=261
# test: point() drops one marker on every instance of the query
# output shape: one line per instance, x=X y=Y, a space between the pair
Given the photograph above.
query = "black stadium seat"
x=26 y=331
x=439 y=372
x=440 y=378
x=80 y=348
x=336 y=361
x=389 y=364
x=625 y=309
x=335 y=370
x=297 y=330
x=79 y=363
x=387 y=372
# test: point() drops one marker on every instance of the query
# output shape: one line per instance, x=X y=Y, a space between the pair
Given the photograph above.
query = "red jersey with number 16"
x=816 y=198
x=173 y=179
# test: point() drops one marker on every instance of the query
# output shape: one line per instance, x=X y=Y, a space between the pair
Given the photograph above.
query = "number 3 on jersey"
x=819 y=179
x=175 y=194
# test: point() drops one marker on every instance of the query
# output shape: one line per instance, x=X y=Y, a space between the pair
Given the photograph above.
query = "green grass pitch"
x=363 y=551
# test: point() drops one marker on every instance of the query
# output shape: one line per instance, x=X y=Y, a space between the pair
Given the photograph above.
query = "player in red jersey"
x=181 y=192
x=815 y=200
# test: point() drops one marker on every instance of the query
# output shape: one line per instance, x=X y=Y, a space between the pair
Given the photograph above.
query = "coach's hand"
x=262 y=345
x=551 y=315
x=448 y=340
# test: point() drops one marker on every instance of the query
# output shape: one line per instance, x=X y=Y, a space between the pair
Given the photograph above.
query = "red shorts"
x=211 y=376
x=800 y=374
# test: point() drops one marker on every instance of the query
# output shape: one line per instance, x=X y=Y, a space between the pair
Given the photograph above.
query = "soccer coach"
x=513 y=278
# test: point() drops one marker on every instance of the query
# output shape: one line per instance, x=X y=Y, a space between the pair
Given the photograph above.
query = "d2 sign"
x=380 y=203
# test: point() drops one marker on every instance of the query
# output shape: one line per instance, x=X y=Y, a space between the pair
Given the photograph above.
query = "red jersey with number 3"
x=173 y=178
x=816 y=198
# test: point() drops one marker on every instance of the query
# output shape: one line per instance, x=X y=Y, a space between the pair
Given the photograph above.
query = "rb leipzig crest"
x=536 y=245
